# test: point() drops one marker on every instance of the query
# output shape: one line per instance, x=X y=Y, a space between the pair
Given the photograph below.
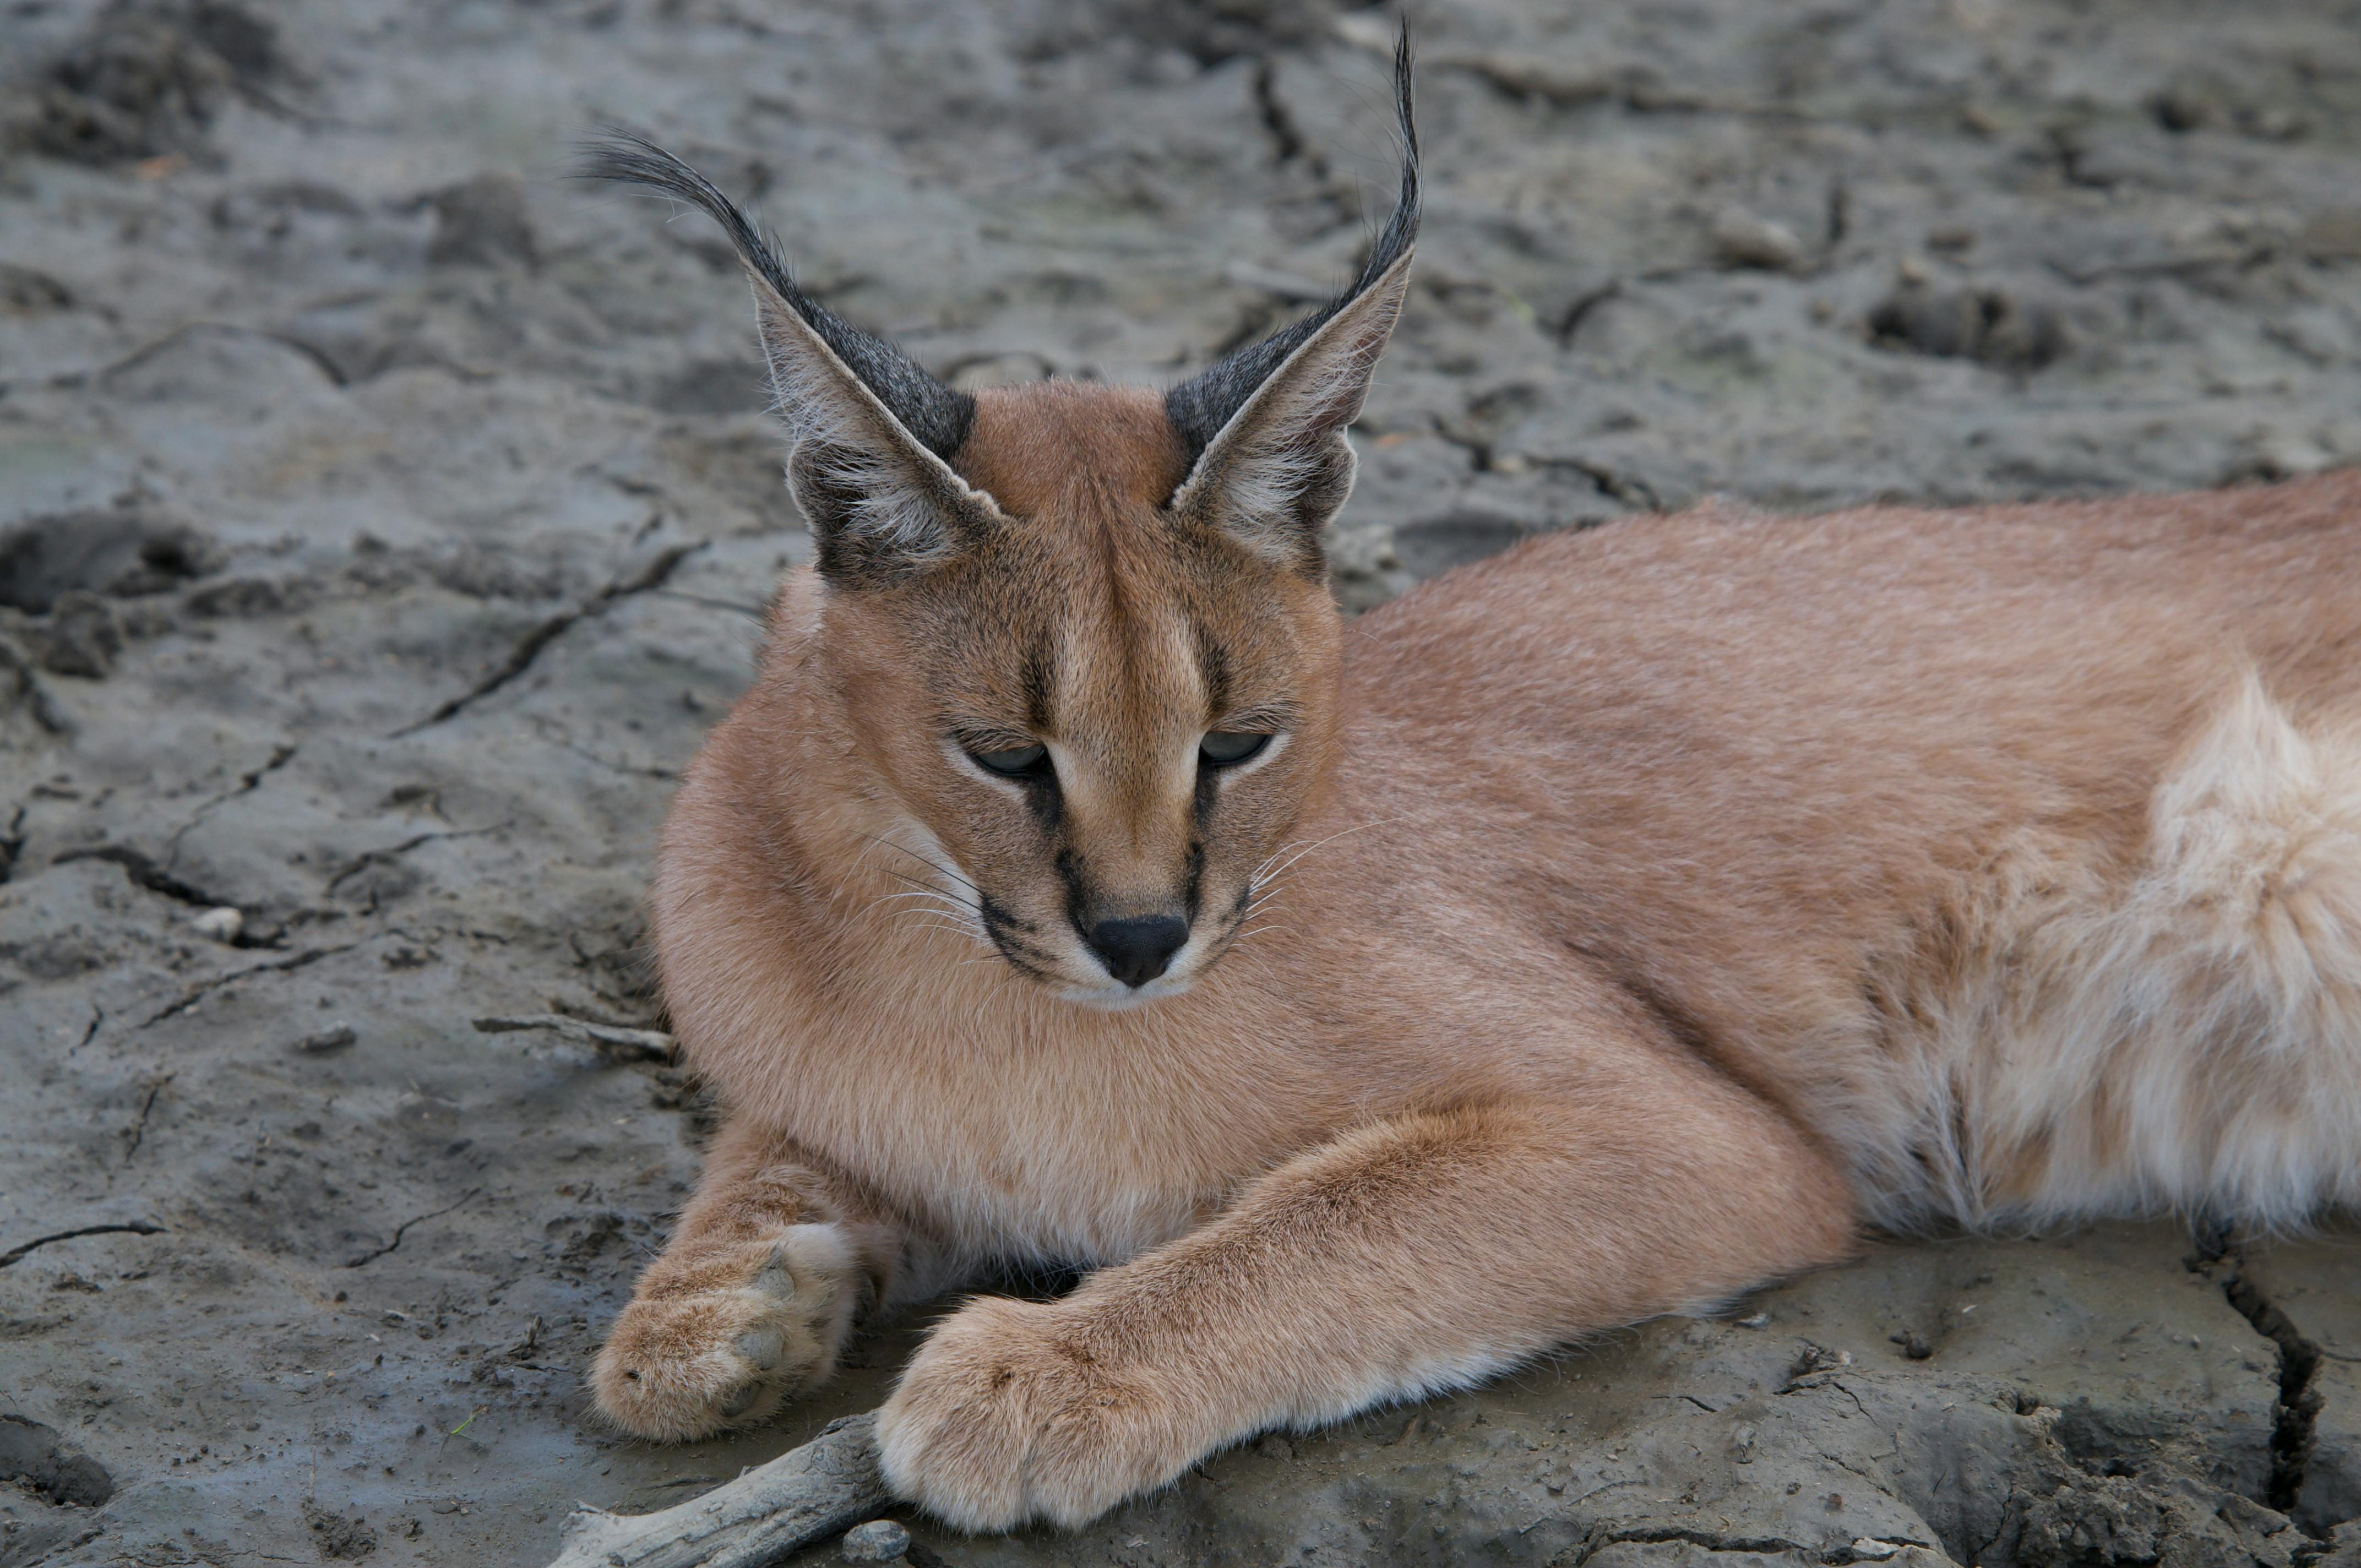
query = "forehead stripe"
x=1036 y=682
x=1214 y=664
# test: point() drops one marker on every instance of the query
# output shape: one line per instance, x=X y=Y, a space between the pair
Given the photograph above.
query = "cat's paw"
x=1001 y=1418
x=721 y=1341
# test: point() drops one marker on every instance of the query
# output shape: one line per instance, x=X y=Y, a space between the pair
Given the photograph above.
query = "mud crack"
x=101 y=374
x=392 y=852
x=528 y=647
x=144 y=871
x=402 y=1229
x=2299 y=1402
x=247 y=783
x=1278 y=121
x=203 y=989
x=1579 y=308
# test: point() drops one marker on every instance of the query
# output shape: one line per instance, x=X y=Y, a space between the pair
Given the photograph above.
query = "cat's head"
x=1078 y=638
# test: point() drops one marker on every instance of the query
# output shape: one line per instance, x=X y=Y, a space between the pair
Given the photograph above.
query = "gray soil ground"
x=380 y=521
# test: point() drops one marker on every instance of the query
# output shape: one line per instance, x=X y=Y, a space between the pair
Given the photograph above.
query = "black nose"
x=1139 y=949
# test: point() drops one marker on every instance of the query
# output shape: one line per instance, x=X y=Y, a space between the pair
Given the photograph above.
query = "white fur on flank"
x=2184 y=1034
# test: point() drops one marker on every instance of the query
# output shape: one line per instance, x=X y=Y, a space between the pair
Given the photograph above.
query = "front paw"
x=720 y=1340
x=1002 y=1417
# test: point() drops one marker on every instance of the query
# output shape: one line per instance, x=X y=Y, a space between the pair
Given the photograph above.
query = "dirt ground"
x=383 y=518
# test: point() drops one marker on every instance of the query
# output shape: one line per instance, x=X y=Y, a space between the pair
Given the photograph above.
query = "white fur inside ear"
x=875 y=480
x=1267 y=500
x=870 y=494
x=1274 y=474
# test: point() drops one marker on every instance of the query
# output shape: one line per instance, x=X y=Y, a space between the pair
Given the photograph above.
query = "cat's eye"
x=1016 y=763
x=1229 y=747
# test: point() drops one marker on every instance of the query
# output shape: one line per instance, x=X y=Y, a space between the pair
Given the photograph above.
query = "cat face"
x=1076 y=638
x=1101 y=717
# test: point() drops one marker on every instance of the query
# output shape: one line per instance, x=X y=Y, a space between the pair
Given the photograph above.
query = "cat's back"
x=1869 y=602
x=1863 y=798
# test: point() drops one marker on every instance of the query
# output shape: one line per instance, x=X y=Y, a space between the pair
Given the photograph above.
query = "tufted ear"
x=1281 y=466
x=870 y=432
x=1267 y=424
x=881 y=506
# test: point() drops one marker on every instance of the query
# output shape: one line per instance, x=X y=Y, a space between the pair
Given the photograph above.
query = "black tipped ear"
x=1281 y=466
x=870 y=430
x=1266 y=426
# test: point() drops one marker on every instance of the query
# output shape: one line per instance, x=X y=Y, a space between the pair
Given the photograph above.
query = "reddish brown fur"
x=1648 y=864
x=1031 y=445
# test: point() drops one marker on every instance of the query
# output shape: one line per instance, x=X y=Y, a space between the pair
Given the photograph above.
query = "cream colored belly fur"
x=2182 y=1033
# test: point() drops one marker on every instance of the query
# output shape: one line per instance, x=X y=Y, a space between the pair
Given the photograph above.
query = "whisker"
x=1332 y=837
x=937 y=892
x=1256 y=875
x=932 y=896
x=950 y=929
x=942 y=911
x=932 y=902
x=926 y=897
x=922 y=860
x=937 y=904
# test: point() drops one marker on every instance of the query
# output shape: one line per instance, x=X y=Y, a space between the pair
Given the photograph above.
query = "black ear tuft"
x=938 y=416
x=1201 y=405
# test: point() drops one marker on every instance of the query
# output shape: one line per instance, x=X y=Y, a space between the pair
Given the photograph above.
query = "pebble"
x=1743 y=239
x=336 y=1038
x=879 y=1540
x=222 y=924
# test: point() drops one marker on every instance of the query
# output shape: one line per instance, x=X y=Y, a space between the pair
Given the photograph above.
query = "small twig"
x=807 y=1495
x=139 y=1127
x=136 y=1227
x=644 y=1044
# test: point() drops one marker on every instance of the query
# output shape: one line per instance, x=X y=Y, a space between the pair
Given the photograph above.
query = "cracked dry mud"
x=381 y=522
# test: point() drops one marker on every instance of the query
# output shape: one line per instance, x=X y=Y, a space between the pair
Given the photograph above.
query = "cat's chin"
x=1115 y=997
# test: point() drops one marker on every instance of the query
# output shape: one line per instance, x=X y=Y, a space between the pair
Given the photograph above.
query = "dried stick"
x=650 y=1044
x=806 y=1495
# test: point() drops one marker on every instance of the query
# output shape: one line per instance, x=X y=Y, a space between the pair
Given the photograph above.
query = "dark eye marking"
x=1229 y=747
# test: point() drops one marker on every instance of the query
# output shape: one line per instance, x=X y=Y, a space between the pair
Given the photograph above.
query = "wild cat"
x=1592 y=933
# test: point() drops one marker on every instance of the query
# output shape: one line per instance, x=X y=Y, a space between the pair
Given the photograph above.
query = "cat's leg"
x=752 y=1300
x=1407 y=1257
